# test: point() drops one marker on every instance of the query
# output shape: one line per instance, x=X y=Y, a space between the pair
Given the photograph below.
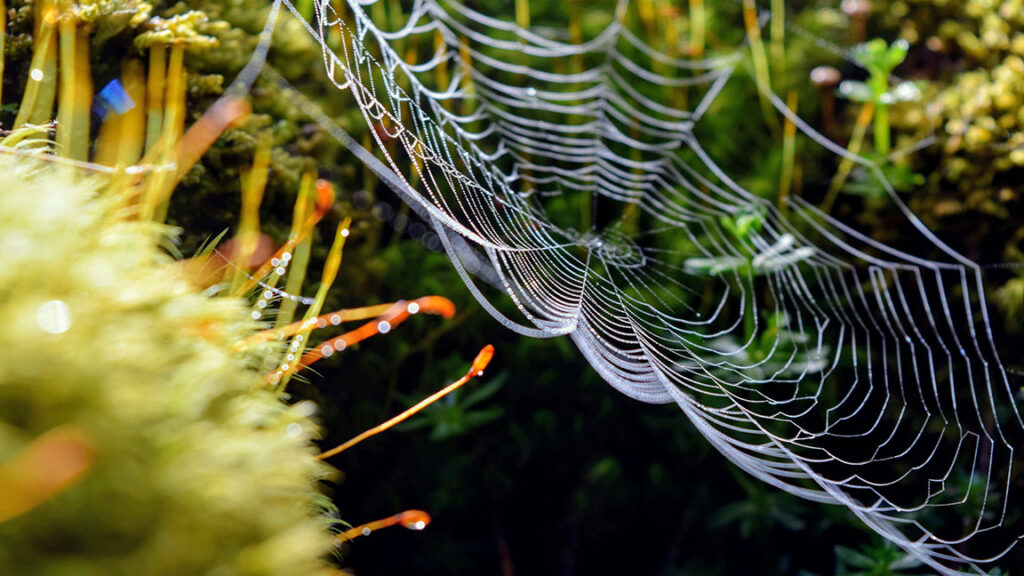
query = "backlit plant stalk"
x=762 y=74
x=698 y=24
x=37 y=101
x=778 y=31
x=483 y=358
x=300 y=256
x=75 y=86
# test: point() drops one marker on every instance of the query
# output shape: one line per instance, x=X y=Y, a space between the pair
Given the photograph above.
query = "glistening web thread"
x=817 y=359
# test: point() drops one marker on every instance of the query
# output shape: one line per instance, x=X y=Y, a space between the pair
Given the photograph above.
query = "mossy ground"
x=196 y=468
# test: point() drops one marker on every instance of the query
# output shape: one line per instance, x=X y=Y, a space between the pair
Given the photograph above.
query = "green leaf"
x=856 y=91
x=854 y=558
x=879 y=58
x=484 y=392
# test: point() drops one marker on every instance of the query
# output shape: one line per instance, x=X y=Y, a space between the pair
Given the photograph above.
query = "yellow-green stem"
x=698 y=18
x=469 y=87
x=254 y=182
x=174 y=126
x=3 y=44
x=856 y=141
x=330 y=273
x=174 y=115
x=576 y=63
x=37 y=101
x=883 y=143
x=762 y=73
x=523 y=13
x=645 y=9
x=778 y=29
x=300 y=256
x=73 y=106
x=155 y=89
x=788 y=154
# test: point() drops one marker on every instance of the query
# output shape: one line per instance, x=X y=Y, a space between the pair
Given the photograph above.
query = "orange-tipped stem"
x=332 y=318
x=483 y=358
x=224 y=113
x=385 y=321
x=208 y=269
x=46 y=467
x=324 y=196
x=411 y=519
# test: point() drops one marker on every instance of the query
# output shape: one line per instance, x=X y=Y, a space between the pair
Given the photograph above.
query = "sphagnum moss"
x=185 y=463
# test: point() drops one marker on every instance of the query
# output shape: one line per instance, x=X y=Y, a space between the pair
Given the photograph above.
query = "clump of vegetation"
x=138 y=435
x=969 y=56
x=975 y=52
x=152 y=432
x=135 y=438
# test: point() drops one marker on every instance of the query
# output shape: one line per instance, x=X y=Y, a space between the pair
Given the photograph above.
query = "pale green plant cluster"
x=189 y=465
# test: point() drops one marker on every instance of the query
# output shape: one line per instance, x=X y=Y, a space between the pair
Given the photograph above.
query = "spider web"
x=815 y=358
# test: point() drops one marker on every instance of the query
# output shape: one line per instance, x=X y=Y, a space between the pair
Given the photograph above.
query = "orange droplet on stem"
x=436 y=305
x=413 y=519
x=483 y=358
x=324 y=196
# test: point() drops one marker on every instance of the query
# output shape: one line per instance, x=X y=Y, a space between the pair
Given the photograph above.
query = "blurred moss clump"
x=973 y=52
x=172 y=458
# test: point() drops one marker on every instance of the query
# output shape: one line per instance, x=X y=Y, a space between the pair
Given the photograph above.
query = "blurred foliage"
x=972 y=53
x=878 y=560
x=454 y=415
x=140 y=436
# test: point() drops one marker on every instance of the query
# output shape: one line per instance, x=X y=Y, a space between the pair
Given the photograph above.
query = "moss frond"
x=197 y=469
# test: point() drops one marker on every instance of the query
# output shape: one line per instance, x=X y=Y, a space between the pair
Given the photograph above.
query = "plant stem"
x=325 y=199
x=300 y=258
x=698 y=24
x=155 y=87
x=3 y=44
x=762 y=73
x=254 y=182
x=883 y=144
x=173 y=126
x=778 y=27
x=856 y=141
x=523 y=13
x=37 y=101
x=788 y=154
x=645 y=8
x=481 y=361
x=327 y=278
x=122 y=136
x=75 y=100
x=882 y=140
x=411 y=519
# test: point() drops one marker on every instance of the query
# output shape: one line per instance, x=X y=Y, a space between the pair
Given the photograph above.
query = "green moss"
x=198 y=469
